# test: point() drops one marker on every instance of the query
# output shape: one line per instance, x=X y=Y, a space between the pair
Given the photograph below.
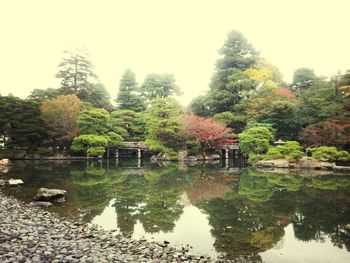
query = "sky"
x=181 y=37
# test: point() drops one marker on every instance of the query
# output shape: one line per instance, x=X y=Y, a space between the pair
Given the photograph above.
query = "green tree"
x=93 y=145
x=159 y=86
x=20 y=123
x=129 y=124
x=255 y=141
x=165 y=132
x=98 y=96
x=128 y=96
x=230 y=83
x=76 y=74
x=39 y=95
x=94 y=121
x=303 y=78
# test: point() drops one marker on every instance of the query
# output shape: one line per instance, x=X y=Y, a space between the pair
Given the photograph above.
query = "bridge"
x=226 y=145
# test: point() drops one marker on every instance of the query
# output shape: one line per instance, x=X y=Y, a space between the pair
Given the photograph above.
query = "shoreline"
x=30 y=234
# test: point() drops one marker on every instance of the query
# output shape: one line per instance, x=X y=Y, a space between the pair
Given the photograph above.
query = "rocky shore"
x=30 y=234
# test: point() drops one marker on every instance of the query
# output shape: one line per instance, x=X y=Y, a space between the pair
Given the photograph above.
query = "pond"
x=216 y=209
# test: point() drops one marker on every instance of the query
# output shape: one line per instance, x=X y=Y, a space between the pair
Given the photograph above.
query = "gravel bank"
x=30 y=234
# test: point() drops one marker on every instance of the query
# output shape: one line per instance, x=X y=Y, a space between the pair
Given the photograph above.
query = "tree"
x=326 y=134
x=230 y=82
x=20 y=123
x=274 y=106
x=303 y=78
x=164 y=130
x=255 y=141
x=94 y=121
x=94 y=145
x=98 y=96
x=128 y=96
x=39 y=95
x=76 y=74
x=60 y=116
x=129 y=124
x=159 y=86
x=206 y=131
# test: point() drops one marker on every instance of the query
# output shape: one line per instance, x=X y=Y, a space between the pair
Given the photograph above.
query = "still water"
x=236 y=212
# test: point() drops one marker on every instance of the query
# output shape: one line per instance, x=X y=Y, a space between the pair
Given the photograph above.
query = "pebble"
x=30 y=234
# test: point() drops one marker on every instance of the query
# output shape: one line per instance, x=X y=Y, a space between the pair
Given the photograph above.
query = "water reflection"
x=241 y=213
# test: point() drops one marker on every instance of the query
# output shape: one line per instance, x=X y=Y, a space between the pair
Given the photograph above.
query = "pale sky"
x=159 y=36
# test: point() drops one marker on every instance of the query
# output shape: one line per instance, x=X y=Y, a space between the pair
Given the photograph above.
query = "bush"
x=273 y=153
x=329 y=154
x=255 y=157
x=255 y=140
x=296 y=154
x=290 y=150
x=96 y=151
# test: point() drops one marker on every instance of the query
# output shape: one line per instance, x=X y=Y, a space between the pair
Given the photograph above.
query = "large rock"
x=160 y=157
x=312 y=163
x=55 y=195
x=182 y=155
x=280 y=163
x=341 y=168
x=191 y=159
x=5 y=162
x=15 y=182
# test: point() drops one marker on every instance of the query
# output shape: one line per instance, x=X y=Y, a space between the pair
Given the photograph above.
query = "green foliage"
x=303 y=78
x=20 y=123
x=329 y=153
x=128 y=95
x=95 y=151
x=129 y=124
x=115 y=140
x=159 y=86
x=272 y=154
x=39 y=95
x=291 y=149
x=255 y=140
x=88 y=141
x=76 y=74
x=94 y=121
x=164 y=129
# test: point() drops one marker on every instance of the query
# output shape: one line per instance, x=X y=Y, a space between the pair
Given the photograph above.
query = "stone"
x=42 y=204
x=45 y=194
x=5 y=162
x=182 y=155
x=341 y=168
x=312 y=163
x=15 y=182
x=191 y=159
x=280 y=163
x=2 y=183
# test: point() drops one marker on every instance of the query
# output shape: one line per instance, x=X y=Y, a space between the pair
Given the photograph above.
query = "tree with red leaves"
x=330 y=133
x=206 y=131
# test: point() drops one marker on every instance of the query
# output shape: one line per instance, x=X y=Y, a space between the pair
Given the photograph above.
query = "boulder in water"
x=55 y=195
x=5 y=162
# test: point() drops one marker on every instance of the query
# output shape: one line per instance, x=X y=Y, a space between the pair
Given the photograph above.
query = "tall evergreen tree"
x=76 y=74
x=128 y=96
x=230 y=82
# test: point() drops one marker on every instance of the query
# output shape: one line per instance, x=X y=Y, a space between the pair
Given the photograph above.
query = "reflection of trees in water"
x=247 y=217
x=252 y=219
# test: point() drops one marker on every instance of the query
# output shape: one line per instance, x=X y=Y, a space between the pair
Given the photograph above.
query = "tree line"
x=246 y=92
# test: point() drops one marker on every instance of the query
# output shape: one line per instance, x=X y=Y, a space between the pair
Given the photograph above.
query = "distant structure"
x=279 y=142
x=226 y=145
